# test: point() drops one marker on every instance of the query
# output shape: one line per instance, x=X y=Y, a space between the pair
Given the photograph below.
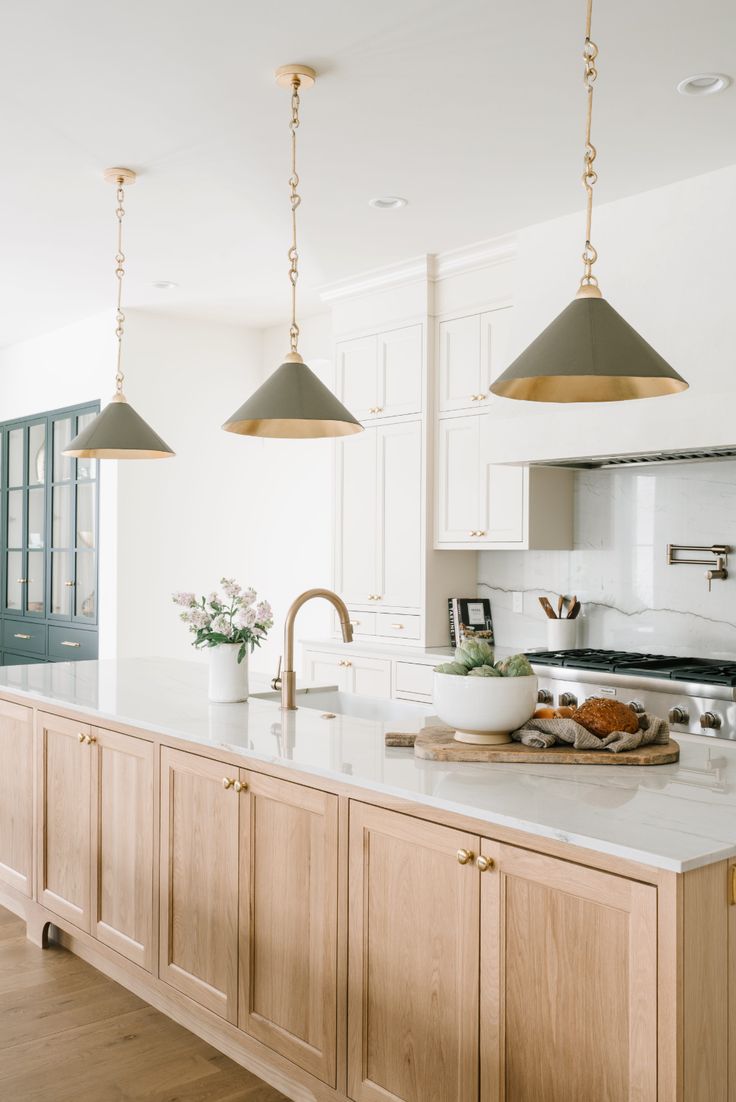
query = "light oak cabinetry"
x=557 y=962
x=16 y=797
x=249 y=904
x=288 y=921
x=568 y=1005
x=95 y=832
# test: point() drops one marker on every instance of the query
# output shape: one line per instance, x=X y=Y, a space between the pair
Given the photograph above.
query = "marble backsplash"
x=631 y=599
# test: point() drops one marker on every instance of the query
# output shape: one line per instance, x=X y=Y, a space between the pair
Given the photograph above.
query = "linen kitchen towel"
x=543 y=733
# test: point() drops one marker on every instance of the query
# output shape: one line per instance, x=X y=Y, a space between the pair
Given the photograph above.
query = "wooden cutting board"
x=439 y=744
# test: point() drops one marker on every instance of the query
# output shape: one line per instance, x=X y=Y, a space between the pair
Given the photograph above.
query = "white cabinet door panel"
x=399 y=464
x=324 y=668
x=369 y=676
x=400 y=372
x=357 y=375
x=357 y=509
x=495 y=333
x=503 y=504
x=458 y=479
x=459 y=362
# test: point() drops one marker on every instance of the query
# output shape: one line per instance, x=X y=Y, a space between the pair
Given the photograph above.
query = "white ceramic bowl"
x=484 y=710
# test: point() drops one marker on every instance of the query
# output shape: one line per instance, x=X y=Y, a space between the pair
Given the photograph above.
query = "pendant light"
x=118 y=432
x=293 y=402
x=588 y=353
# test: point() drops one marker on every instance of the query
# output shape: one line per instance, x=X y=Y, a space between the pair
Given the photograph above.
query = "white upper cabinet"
x=379 y=523
x=480 y=504
x=399 y=465
x=381 y=375
x=472 y=352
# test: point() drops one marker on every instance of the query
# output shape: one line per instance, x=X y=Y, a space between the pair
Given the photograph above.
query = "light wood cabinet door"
x=16 y=797
x=122 y=860
x=458 y=480
x=357 y=376
x=357 y=540
x=413 y=961
x=399 y=459
x=400 y=372
x=288 y=921
x=568 y=982
x=64 y=808
x=199 y=880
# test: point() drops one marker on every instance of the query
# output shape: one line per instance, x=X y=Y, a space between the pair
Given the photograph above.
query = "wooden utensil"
x=560 y=606
x=544 y=602
x=574 y=609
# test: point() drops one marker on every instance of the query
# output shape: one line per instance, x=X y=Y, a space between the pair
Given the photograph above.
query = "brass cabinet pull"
x=484 y=863
x=355 y=623
x=90 y=739
x=397 y=626
x=376 y=409
x=228 y=782
x=69 y=643
x=22 y=581
x=478 y=397
x=480 y=533
x=81 y=736
x=69 y=584
x=22 y=635
x=473 y=533
x=240 y=786
x=464 y=856
x=732 y=891
x=345 y=663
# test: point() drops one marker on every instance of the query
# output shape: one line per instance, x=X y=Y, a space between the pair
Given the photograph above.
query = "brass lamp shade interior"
x=589 y=353
x=293 y=403
x=118 y=432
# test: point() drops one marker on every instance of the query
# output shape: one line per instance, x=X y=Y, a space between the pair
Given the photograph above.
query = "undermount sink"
x=360 y=707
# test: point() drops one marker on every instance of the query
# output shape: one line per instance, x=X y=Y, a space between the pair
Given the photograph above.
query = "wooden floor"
x=70 y=1034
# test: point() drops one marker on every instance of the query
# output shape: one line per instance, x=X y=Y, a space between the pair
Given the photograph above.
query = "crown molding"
x=427 y=268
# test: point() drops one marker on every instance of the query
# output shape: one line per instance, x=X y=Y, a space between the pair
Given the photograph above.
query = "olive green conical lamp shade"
x=588 y=354
x=118 y=432
x=293 y=403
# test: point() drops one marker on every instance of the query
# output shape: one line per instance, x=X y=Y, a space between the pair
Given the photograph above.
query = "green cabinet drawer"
x=71 y=644
x=21 y=660
x=24 y=637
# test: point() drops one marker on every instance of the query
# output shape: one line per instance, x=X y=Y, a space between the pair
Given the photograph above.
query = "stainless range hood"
x=640 y=459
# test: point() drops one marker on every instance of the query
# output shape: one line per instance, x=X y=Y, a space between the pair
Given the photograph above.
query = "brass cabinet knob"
x=81 y=737
x=398 y=627
x=240 y=786
x=228 y=782
x=89 y=739
x=464 y=856
x=484 y=863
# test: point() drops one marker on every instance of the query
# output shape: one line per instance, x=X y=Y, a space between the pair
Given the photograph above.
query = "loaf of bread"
x=601 y=716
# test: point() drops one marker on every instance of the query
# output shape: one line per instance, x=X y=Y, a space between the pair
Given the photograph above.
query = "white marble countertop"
x=674 y=817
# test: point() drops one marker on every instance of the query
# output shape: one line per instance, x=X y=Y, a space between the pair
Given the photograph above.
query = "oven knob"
x=637 y=706
x=568 y=700
x=710 y=720
x=544 y=696
x=678 y=715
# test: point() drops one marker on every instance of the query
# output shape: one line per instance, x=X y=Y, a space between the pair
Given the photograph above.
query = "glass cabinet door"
x=25 y=520
x=85 y=535
x=62 y=519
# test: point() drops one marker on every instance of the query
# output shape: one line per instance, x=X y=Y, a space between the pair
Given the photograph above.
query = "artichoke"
x=484 y=671
x=515 y=666
x=474 y=652
x=452 y=667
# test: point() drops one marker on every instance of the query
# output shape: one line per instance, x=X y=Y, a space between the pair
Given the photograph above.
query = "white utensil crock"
x=562 y=634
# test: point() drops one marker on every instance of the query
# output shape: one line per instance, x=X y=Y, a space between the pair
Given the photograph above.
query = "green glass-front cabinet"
x=49 y=536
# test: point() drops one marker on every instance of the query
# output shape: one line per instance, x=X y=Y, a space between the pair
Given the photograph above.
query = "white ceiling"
x=472 y=109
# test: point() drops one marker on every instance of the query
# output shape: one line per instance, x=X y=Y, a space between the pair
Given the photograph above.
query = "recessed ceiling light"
x=387 y=202
x=703 y=84
x=165 y=284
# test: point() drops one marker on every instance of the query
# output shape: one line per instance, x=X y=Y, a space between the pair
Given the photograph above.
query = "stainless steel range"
x=696 y=694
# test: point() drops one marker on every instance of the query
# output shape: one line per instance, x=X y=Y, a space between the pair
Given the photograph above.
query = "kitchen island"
x=350 y=922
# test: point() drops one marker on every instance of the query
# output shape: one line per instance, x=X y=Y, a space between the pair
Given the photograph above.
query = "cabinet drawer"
x=364 y=623
x=414 y=677
x=20 y=636
x=20 y=659
x=70 y=644
x=397 y=625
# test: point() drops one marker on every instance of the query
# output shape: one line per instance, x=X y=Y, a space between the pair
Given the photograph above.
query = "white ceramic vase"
x=228 y=677
x=484 y=710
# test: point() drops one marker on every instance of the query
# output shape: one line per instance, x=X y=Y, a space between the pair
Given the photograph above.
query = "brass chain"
x=590 y=176
x=119 y=273
x=295 y=200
